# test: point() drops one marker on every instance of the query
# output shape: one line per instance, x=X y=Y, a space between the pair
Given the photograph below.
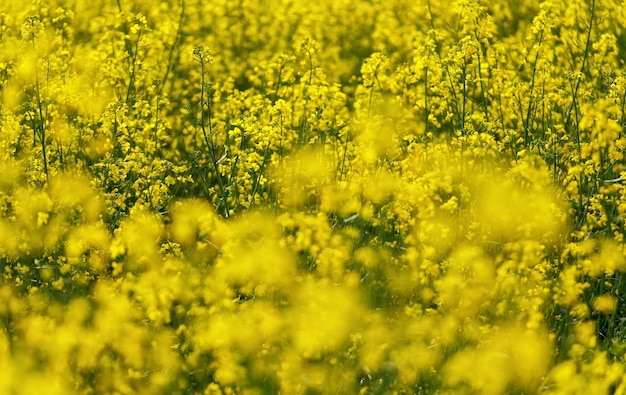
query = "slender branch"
x=527 y=123
x=175 y=44
x=208 y=137
x=582 y=66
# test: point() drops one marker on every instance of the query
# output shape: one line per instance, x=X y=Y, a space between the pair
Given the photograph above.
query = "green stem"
x=208 y=137
x=527 y=123
x=582 y=69
x=42 y=125
x=177 y=39
x=426 y=100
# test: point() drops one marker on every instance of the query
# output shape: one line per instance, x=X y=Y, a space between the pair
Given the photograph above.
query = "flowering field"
x=312 y=197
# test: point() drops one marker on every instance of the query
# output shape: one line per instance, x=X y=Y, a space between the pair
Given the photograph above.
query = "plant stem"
x=208 y=137
x=579 y=77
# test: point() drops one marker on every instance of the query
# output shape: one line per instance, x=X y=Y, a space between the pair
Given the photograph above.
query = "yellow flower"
x=605 y=303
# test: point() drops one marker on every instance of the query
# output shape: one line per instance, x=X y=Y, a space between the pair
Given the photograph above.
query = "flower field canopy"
x=329 y=197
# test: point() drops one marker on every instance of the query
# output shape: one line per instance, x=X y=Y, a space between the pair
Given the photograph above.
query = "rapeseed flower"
x=303 y=197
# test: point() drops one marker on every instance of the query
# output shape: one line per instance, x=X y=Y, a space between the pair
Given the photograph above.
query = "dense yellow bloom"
x=312 y=197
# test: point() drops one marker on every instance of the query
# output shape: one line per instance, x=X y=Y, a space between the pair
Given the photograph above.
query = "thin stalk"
x=278 y=81
x=310 y=67
x=177 y=39
x=343 y=159
x=482 y=90
x=208 y=137
x=131 y=83
x=259 y=175
x=576 y=130
x=455 y=109
x=622 y=118
x=156 y=121
x=464 y=77
x=42 y=125
x=42 y=130
x=426 y=100
x=527 y=123
x=582 y=67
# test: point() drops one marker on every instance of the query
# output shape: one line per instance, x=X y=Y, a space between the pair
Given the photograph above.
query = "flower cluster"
x=331 y=197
